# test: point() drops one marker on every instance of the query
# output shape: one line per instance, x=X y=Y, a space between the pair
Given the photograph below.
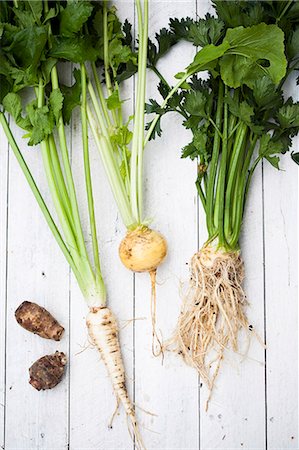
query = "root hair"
x=213 y=312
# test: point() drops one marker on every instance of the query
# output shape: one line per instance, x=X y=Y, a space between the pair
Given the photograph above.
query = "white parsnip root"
x=103 y=331
x=212 y=313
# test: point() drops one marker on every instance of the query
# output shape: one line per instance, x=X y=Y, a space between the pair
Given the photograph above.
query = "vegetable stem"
x=214 y=163
x=68 y=174
x=231 y=176
x=88 y=183
x=44 y=209
x=222 y=177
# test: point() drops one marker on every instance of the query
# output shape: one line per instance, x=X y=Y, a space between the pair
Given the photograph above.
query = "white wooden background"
x=255 y=404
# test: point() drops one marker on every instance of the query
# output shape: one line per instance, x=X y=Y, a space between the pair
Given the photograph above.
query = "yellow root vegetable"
x=143 y=250
x=103 y=331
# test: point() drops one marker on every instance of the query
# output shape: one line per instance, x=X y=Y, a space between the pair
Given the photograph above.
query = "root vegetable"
x=228 y=114
x=47 y=371
x=45 y=119
x=38 y=320
x=103 y=331
x=212 y=312
x=121 y=144
x=142 y=250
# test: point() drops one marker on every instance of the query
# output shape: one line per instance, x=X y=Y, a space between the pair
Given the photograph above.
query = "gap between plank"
x=5 y=294
x=264 y=296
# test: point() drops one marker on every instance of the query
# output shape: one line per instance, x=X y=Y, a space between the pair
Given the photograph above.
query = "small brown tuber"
x=38 y=320
x=47 y=371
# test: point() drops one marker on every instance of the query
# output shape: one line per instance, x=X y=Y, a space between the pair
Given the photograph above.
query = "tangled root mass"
x=212 y=312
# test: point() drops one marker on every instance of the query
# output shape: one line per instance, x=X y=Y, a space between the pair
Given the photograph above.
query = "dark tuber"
x=38 y=320
x=47 y=371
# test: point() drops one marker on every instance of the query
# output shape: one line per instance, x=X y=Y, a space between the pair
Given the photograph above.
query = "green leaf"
x=46 y=68
x=13 y=105
x=5 y=87
x=288 y=115
x=198 y=146
x=181 y=28
x=42 y=122
x=205 y=56
x=295 y=157
x=74 y=16
x=56 y=102
x=53 y=12
x=28 y=45
x=24 y=18
x=36 y=7
x=273 y=160
x=269 y=150
x=253 y=53
x=113 y=101
x=77 y=49
x=119 y=53
x=265 y=93
x=127 y=71
x=122 y=136
x=153 y=107
x=72 y=96
x=195 y=103
x=293 y=45
x=157 y=131
x=206 y=31
x=165 y=40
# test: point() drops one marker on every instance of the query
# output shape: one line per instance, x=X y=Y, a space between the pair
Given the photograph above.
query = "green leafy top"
x=237 y=116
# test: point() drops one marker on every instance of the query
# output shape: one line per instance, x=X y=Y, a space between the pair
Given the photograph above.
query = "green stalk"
x=138 y=137
x=242 y=174
x=141 y=96
x=101 y=95
x=106 y=57
x=222 y=177
x=43 y=207
x=163 y=105
x=250 y=174
x=106 y=48
x=112 y=171
x=86 y=275
x=201 y=194
x=60 y=179
x=88 y=183
x=236 y=152
x=214 y=163
x=69 y=175
x=108 y=156
x=61 y=213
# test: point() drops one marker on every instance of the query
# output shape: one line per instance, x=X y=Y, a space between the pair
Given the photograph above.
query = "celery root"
x=212 y=312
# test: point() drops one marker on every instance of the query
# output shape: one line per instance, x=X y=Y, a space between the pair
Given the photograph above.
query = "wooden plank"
x=3 y=252
x=281 y=291
x=36 y=271
x=92 y=401
x=236 y=414
x=170 y=390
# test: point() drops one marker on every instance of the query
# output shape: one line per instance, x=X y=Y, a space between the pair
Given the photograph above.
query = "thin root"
x=212 y=313
x=135 y=433
x=129 y=321
x=157 y=347
x=114 y=413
